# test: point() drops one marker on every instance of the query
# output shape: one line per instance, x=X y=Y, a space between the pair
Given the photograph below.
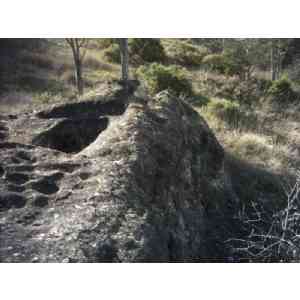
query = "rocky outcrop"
x=116 y=185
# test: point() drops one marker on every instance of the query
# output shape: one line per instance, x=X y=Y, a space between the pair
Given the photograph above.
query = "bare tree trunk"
x=272 y=62
x=78 y=76
x=279 y=64
x=78 y=55
x=223 y=45
x=78 y=71
x=124 y=60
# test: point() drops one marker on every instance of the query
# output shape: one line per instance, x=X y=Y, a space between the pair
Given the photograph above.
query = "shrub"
x=146 y=50
x=231 y=114
x=215 y=63
x=236 y=62
x=112 y=53
x=186 y=54
x=228 y=63
x=159 y=78
x=281 y=90
x=141 y=51
x=226 y=110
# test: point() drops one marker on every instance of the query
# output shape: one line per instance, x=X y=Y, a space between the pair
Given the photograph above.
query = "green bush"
x=112 y=53
x=146 y=51
x=159 y=78
x=282 y=90
x=186 y=54
x=215 y=63
x=236 y=62
x=140 y=51
x=229 y=63
x=228 y=111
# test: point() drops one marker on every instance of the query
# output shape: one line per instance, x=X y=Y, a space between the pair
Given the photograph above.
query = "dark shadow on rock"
x=17 y=178
x=11 y=200
x=45 y=187
x=91 y=109
x=71 y=135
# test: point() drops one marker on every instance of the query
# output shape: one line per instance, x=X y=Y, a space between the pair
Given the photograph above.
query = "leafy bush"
x=112 y=53
x=237 y=62
x=229 y=63
x=281 y=90
x=159 y=78
x=230 y=113
x=215 y=63
x=140 y=50
x=186 y=54
x=224 y=109
x=146 y=50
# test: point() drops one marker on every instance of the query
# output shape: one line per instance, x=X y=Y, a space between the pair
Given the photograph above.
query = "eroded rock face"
x=140 y=189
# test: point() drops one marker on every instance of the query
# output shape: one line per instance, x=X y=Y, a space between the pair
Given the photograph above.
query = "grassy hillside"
x=251 y=128
x=45 y=74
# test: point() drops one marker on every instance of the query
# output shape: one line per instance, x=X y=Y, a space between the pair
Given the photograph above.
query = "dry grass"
x=94 y=61
x=48 y=76
x=267 y=141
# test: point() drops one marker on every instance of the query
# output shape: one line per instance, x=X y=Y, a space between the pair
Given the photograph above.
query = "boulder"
x=142 y=187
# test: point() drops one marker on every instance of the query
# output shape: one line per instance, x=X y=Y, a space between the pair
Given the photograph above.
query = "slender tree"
x=124 y=60
x=278 y=50
x=78 y=47
x=272 y=62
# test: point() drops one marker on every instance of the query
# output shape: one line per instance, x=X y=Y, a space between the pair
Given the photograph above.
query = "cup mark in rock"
x=17 y=178
x=10 y=200
x=45 y=187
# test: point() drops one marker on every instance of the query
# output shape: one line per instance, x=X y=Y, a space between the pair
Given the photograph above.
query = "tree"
x=214 y=45
x=78 y=47
x=278 y=50
x=124 y=60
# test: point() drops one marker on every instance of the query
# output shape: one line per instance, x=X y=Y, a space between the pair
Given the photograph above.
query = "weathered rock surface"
x=110 y=185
